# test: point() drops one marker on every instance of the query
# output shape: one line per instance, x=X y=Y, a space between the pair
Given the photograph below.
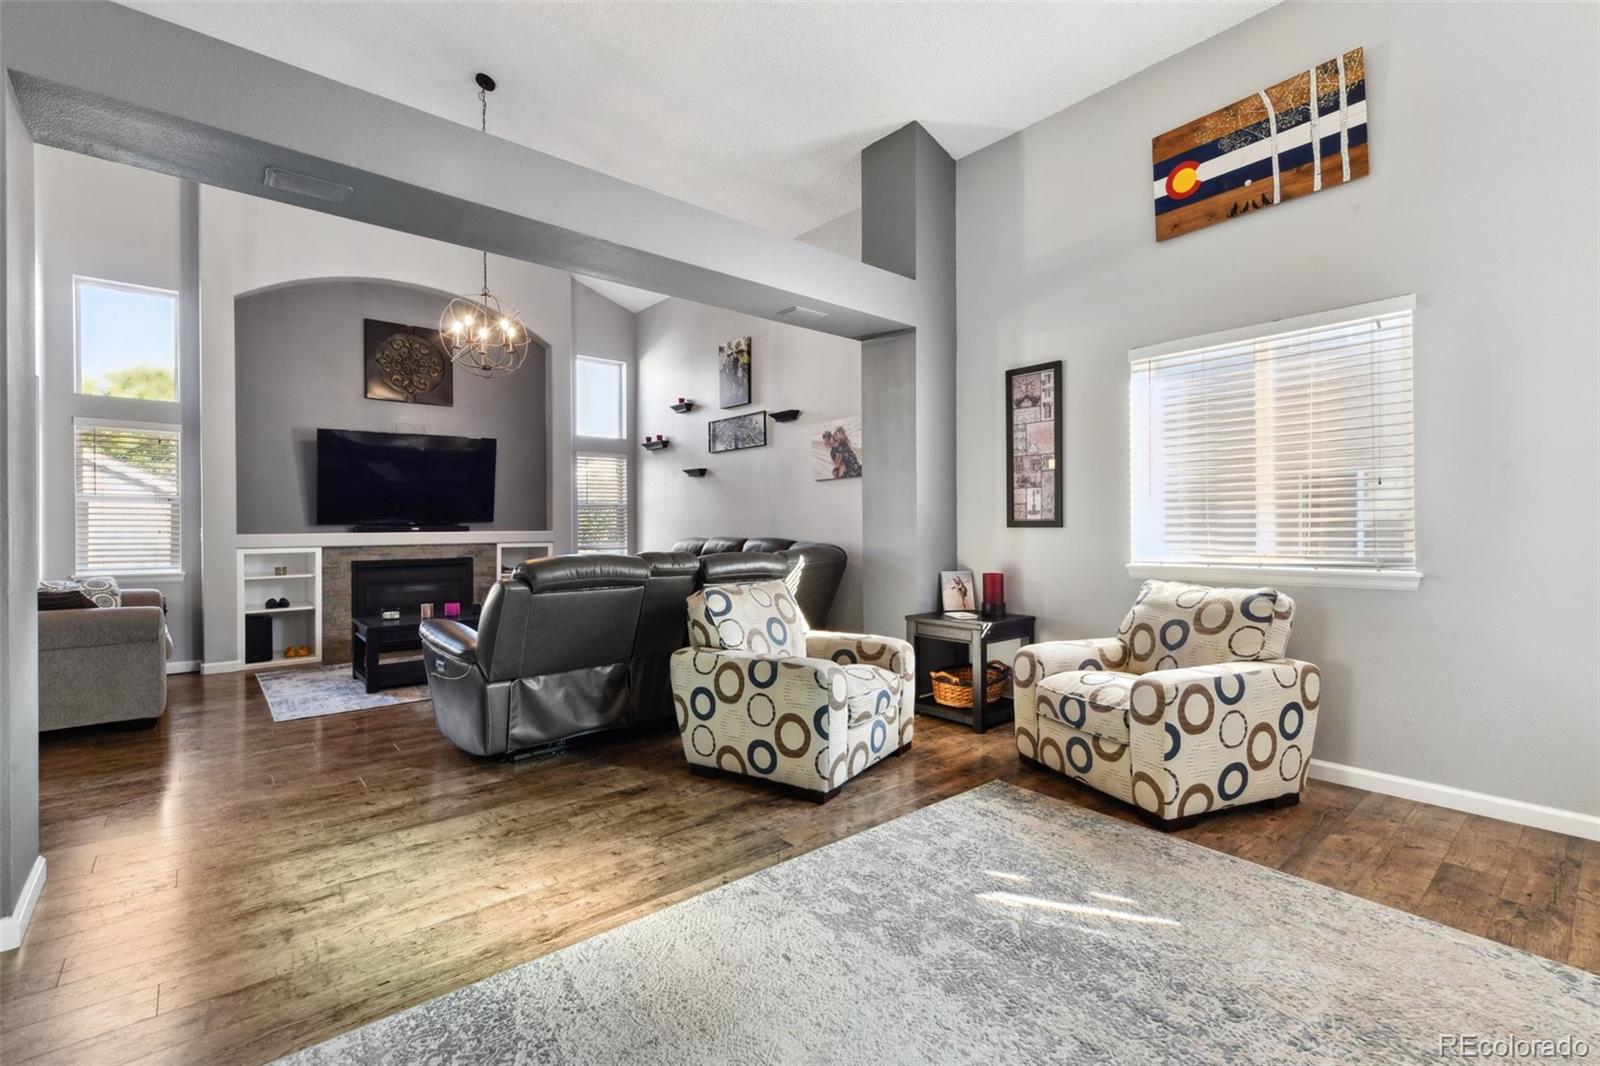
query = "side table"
x=976 y=634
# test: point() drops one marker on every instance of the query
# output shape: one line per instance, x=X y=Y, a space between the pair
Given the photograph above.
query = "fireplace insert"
x=378 y=585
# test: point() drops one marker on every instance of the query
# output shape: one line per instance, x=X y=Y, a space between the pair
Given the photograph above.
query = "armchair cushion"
x=781 y=718
x=1173 y=625
x=1222 y=735
x=761 y=618
x=1094 y=701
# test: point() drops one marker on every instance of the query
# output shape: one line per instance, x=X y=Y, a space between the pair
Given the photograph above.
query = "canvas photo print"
x=737 y=432
x=956 y=592
x=1034 y=438
x=836 y=449
x=733 y=372
x=407 y=364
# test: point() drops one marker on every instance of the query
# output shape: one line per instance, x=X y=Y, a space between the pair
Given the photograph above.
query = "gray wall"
x=759 y=491
x=1482 y=202
x=118 y=223
x=19 y=528
x=604 y=330
x=299 y=369
x=908 y=396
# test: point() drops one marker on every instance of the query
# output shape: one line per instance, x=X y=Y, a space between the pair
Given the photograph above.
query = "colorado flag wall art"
x=1300 y=136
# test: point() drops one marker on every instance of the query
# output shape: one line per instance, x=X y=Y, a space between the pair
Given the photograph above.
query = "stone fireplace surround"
x=336 y=582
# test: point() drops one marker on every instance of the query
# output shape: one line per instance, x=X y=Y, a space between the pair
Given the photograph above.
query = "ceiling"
x=755 y=110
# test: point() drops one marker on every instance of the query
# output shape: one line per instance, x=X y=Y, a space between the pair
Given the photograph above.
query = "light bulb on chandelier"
x=499 y=345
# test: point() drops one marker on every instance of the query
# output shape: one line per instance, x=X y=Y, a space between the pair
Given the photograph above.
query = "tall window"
x=127 y=497
x=602 y=503
x=126 y=340
x=602 y=406
x=1285 y=445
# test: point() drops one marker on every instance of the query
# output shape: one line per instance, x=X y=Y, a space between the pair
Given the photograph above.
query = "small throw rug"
x=314 y=691
x=1000 y=926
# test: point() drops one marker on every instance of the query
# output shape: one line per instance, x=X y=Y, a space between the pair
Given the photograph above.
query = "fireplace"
x=378 y=585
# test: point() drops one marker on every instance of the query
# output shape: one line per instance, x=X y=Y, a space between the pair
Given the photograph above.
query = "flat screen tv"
x=403 y=479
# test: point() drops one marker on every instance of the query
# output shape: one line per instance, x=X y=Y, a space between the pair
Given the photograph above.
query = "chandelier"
x=483 y=338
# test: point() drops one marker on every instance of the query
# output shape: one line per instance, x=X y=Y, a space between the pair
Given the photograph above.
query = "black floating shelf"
x=683 y=408
x=695 y=471
x=655 y=445
x=785 y=416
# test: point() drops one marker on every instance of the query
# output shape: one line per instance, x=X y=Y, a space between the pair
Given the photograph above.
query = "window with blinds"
x=1287 y=445
x=602 y=503
x=128 y=517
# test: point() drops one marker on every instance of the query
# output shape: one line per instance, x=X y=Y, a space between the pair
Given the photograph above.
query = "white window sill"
x=142 y=575
x=1310 y=577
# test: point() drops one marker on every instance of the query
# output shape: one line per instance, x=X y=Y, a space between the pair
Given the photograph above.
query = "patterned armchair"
x=756 y=693
x=1190 y=708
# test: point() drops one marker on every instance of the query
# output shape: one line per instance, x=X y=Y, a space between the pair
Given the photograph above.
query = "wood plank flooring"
x=226 y=889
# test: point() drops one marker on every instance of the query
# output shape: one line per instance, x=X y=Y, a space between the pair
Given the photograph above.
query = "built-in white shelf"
x=297 y=625
x=510 y=553
x=293 y=607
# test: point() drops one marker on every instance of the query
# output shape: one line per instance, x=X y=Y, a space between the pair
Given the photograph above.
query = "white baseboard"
x=1572 y=823
x=183 y=666
x=14 y=926
x=228 y=667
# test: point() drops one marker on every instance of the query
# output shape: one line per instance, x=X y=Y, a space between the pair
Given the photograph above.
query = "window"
x=602 y=503
x=1281 y=446
x=601 y=406
x=127 y=497
x=127 y=340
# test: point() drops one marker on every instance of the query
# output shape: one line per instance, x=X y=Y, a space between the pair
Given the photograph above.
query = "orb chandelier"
x=484 y=338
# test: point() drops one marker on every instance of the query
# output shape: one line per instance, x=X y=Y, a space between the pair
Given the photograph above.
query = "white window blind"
x=602 y=503
x=127 y=497
x=1291 y=448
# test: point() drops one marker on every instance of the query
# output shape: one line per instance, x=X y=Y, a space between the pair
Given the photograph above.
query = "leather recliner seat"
x=551 y=657
x=664 y=623
x=815 y=569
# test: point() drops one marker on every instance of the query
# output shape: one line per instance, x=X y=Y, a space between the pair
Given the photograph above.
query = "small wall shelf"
x=784 y=416
x=655 y=445
x=695 y=471
x=683 y=408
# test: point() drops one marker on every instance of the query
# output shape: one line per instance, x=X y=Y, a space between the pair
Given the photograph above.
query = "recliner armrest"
x=890 y=653
x=452 y=638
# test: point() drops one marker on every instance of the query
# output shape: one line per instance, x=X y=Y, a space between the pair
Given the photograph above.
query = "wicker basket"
x=953 y=687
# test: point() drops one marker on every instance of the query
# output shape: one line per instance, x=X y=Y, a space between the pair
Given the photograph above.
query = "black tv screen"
x=403 y=478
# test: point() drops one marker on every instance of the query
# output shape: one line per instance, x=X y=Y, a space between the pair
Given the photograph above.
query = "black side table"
x=976 y=634
x=372 y=635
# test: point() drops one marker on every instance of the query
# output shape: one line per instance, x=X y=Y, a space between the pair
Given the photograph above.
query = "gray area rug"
x=314 y=691
x=999 y=926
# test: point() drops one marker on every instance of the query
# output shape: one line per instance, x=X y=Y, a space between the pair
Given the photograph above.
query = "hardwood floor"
x=226 y=889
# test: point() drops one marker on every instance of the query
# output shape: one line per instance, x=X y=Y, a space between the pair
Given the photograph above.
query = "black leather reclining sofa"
x=576 y=644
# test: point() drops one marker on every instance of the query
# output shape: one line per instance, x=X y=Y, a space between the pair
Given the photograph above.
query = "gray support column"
x=19 y=528
x=908 y=511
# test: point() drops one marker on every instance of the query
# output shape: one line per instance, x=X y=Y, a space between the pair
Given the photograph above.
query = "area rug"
x=1000 y=926
x=314 y=691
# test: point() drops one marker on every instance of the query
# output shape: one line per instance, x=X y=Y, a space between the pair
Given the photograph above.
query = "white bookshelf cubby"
x=298 y=624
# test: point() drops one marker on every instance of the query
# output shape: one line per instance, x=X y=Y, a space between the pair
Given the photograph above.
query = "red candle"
x=994 y=592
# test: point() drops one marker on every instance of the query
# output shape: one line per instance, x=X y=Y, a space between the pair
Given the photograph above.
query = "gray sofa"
x=104 y=664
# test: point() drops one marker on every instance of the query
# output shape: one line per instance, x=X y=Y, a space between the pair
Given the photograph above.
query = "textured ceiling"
x=755 y=110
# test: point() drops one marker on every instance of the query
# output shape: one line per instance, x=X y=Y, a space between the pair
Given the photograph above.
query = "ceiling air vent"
x=798 y=313
x=306 y=185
